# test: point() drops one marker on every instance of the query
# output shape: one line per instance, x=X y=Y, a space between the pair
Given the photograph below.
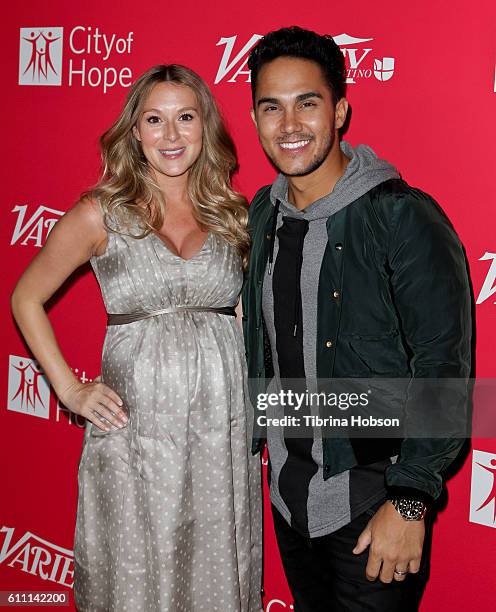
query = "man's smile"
x=294 y=146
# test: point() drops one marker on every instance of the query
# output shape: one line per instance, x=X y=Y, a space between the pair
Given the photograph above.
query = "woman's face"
x=170 y=129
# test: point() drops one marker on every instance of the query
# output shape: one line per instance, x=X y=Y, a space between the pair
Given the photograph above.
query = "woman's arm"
x=78 y=236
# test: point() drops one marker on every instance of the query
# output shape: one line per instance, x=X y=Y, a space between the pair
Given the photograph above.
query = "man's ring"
x=400 y=573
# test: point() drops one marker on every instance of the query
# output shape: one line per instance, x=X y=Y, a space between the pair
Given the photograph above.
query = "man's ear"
x=136 y=134
x=340 y=113
x=253 y=118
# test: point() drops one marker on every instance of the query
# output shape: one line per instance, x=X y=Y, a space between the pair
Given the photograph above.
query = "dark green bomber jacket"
x=393 y=301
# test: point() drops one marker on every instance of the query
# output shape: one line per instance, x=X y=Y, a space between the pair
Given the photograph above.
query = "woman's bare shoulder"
x=86 y=217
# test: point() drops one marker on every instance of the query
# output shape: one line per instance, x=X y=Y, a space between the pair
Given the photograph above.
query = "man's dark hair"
x=305 y=44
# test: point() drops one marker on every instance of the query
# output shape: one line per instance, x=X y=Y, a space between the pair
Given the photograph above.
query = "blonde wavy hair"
x=127 y=191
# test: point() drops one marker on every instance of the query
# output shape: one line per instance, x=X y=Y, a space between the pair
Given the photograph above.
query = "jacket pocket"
x=381 y=355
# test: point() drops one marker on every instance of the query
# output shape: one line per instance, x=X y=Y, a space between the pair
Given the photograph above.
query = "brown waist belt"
x=124 y=318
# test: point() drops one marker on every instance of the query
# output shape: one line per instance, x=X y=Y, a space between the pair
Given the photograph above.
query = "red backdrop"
x=423 y=96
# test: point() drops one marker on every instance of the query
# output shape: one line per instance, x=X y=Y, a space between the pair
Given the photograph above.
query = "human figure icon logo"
x=483 y=491
x=29 y=391
x=40 y=56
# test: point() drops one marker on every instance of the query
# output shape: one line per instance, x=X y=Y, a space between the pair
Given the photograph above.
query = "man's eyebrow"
x=267 y=101
x=310 y=94
x=300 y=98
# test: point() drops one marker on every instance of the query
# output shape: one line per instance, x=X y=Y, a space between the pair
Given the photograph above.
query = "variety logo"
x=228 y=64
x=29 y=391
x=40 y=56
x=36 y=227
x=33 y=555
x=489 y=286
x=483 y=491
x=358 y=63
x=41 y=53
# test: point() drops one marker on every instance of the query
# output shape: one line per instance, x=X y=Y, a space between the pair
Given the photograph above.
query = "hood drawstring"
x=273 y=236
x=298 y=296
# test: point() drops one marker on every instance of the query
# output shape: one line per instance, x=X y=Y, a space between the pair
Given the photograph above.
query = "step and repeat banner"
x=422 y=86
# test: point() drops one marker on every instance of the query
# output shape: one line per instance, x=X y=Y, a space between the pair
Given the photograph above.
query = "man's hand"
x=395 y=544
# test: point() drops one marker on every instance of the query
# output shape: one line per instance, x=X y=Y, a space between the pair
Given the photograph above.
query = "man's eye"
x=270 y=108
x=186 y=117
x=153 y=119
x=308 y=104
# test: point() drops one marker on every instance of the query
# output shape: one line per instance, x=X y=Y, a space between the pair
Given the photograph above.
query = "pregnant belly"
x=174 y=367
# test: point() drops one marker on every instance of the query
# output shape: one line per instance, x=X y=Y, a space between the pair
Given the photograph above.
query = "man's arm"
x=430 y=290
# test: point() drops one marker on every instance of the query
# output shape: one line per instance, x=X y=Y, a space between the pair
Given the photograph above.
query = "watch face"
x=410 y=509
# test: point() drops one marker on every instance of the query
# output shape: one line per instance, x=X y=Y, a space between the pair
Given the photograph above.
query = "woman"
x=168 y=514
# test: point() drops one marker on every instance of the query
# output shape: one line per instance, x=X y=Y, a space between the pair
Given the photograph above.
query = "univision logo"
x=40 y=56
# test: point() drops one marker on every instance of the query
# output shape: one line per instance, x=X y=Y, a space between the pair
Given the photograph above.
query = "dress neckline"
x=197 y=254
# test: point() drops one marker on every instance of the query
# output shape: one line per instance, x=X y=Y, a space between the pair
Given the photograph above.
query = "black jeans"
x=325 y=576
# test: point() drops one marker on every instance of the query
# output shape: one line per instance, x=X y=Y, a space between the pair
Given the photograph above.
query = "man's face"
x=295 y=116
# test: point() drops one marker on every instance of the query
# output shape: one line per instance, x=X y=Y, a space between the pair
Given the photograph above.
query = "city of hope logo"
x=28 y=389
x=483 y=490
x=356 y=52
x=33 y=555
x=89 y=61
x=35 y=228
x=40 y=56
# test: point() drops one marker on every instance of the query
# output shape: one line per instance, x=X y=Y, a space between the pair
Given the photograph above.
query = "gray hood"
x=364 y=171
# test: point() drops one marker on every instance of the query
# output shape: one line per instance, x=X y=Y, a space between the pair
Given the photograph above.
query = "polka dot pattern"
x=169 y=508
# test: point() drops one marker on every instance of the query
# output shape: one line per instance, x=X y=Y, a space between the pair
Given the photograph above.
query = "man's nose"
x=290 y=122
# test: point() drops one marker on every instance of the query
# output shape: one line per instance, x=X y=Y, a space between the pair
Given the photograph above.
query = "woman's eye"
x=152 y=119
x=186 y=117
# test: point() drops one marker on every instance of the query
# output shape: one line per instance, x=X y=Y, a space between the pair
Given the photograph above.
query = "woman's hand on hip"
x=96 y=402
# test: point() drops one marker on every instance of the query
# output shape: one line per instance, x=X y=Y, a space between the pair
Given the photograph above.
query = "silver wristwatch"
x=410 y=509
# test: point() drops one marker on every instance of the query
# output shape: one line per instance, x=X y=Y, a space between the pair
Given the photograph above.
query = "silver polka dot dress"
x=169 y=508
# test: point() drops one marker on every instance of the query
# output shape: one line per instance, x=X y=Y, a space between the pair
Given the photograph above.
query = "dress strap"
x=125 y=318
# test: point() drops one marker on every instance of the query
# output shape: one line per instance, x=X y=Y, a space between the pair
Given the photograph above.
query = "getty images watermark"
x=366 y=407
x=298 y=402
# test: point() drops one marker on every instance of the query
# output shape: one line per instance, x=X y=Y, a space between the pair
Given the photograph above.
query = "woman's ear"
x=136 y=133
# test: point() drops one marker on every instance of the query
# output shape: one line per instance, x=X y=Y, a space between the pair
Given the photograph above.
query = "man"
x=352 y=274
